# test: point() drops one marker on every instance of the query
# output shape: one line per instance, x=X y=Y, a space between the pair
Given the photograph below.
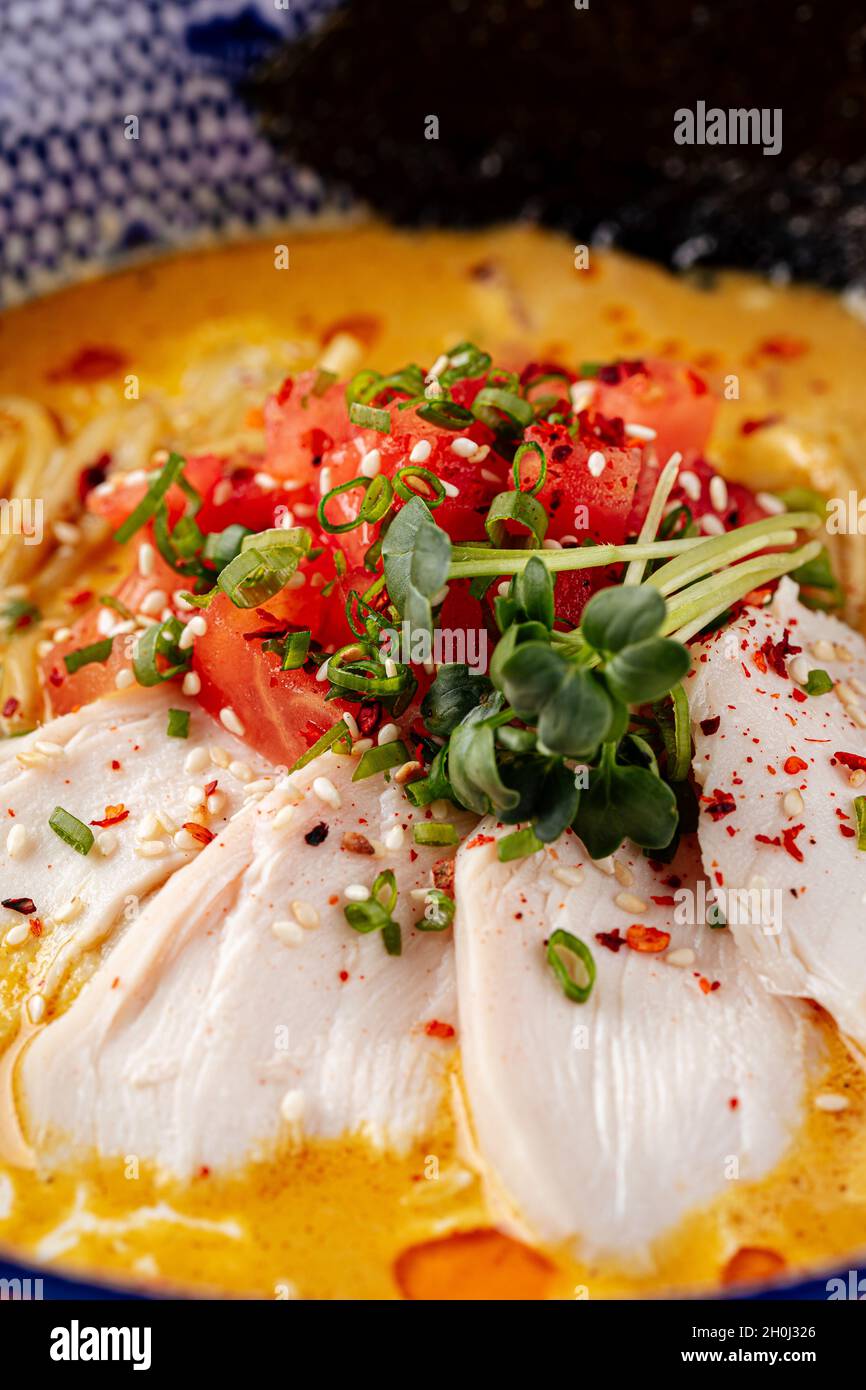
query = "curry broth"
x=333 y=1219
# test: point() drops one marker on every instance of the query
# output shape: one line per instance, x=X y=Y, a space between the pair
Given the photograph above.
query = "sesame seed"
x=222 y=492
x=106 y=843
x=606 y=865
x=371 y=463
x=857 y=685
x=503 y=587
x=196 y=759
x=480 y=454
x=712 y=525
x=259 y=787
x=68 y=912
x=682 y=957
x=844 y=653
x=195 y=796
x=830 y=1102
x=16 y=936
x=623 y=874
x=630 y=902
x=463 y=447
x=798 y=670
x=551 y=544
x=581 y=393
x=242 y=771
x=324 y=481
x=17 y=842
x=823 y=650
x=219 y=757
x=489 y=476
x=433 y=391
x=124 y=679
x=408 y=772
x=289 y=933
x=297 y=581
x=393 y=838
x=230 y=721
x=196 y=627
x=305 y=914
x=857 y=777
x=792 y=803
x=151 y=849
x=282 y=818
x=361 y=745
x=266 y=481
x=322 y=673
x=182 y=839
x=49 y=750
x=390 y=667
x=148 y=827
x=356 y=893
x=845 y=693
x=146 y=559
x=421 y=452
x=388 y=733
x=36 y=1008
x=62 y=634
x=325 y=790
x=292 y=1107
x=596 y=463
x=640 y=432
x=718 y=493
x=216 y=803
x=153 y=603
x=690 y=484
x=183 y=603
x=438 y=367
x=568 y=874
x=774 y=505
x=440 y=810
x=449 y=489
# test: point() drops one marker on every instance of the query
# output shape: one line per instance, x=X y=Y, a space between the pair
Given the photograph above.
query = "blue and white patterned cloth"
x=75 y=190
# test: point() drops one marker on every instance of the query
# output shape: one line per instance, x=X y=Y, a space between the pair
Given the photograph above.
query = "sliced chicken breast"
x=112 y=762
x=241 y=1011
x=603 y=1124
x=780 y=770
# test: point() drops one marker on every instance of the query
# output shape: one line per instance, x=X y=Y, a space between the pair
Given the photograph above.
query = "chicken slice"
x=603 y=1124
x=241 y=1011
x=778 y=826
x=110 y=761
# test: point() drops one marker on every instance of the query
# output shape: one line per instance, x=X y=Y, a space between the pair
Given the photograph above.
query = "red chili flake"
x=719 y=804
x=204 y=1171
x=317 y=835
x=733 y=1103
x=10 y=707
x=285 y=390
x=746 y=672
x=344 y=975
x=23 y=905
x=334 y=899
x=368 y=717
x=611 y=939
x=211 y=787
x=443 y=876
x=90 y=364
x=198 y=832
x=78 y=600
x=665 y=901
x=785 y=348
x=113 y=816
x=614 y=372
x=769 y=840
x=749 y=426
x=775 y=652
x=711 y=726
x=789 y=841
x=115 y=765
x=732 y=830
x=852 y=760
x=672 y=881
x=793 y=765
x=705 y=985
x=800 y=696
x=479 y=840
x=35 y=926
x=848 y=831
x=435 y=1029
x=647 y=940
x=55 y=676
x=311 y=732
x=760 y=661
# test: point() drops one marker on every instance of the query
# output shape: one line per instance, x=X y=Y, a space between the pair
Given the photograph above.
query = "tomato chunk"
x=668 y=397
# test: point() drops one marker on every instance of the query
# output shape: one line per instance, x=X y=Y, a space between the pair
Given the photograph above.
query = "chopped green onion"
x=324 y=379
x=860 y=812
x=563 y=940
x=518 y=845
x=818 y=682
x=149 y=503
x=435 y=833
x=415 y=470
x=531 y=448
x=521 y=509
x=296 y=645
x=491 y=399
x=109 y=601
x=368 y=417
x=379 y=759
x=374 y=915
x=338 y=733
x=84 y=656
x=160 y=639
x=278 y=538
x=362 y=674
x=676 y=733
x=222 y=546
x=438 y=911
x=254 y=576
x=448 y=415
x=378 y=494
x=72 y=830
x=178 y=723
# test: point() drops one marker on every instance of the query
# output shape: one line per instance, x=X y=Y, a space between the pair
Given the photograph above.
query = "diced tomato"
x=119 y=496
x=668 y=397
x=67 y=692
x=742 y=505
x=301 y=427
x=574 y=588
x=579 y=501
x=282 y=712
